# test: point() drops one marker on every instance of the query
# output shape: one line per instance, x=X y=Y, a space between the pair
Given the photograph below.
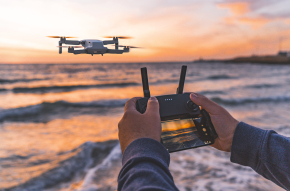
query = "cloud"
x=252 y=5
x=237 y=8
x=255 y=13
x=263 y=8
x=256 y=23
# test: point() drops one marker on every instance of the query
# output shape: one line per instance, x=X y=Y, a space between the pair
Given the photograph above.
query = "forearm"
x=267 y=152
x=145 y=167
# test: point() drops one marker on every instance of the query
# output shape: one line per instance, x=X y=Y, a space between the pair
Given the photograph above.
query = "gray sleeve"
x=145 y=167
x=266 y=152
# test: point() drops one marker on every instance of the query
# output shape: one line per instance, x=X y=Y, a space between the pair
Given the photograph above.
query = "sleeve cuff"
x=246 y=145
x=146 y=147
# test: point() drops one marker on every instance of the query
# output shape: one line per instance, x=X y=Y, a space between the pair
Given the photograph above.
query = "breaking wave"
x=220 y=77
x=41 y=110
x=90 y=155
x=47 y=89
x=211 y=92
x=8 y=81
x=242 y=101
x=258 y=86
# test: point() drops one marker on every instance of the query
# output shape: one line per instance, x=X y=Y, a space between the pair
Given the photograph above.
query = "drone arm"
x=105 y=42
x=114 y=51
x=72 y=42
x=79 y=51
x=72 y=50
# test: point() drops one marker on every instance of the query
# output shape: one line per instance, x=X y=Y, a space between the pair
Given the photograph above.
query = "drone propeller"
x=119 y=37
x=60 y=37
x=71 y=46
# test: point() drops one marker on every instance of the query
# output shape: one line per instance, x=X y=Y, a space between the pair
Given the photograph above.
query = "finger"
x=210 y=106
x=131 y=104
x=152 y=106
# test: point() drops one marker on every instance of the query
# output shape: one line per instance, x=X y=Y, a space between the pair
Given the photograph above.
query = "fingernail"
x=153 y=98
x=193 y=95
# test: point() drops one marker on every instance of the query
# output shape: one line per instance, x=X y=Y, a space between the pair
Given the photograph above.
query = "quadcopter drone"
x=93 y=46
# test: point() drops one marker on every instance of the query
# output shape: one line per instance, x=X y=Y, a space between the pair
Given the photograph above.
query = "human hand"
x=135 y=125
x=224 y=124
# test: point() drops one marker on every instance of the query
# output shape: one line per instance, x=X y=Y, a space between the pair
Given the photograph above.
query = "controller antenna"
x=181 y=80
x=145 y=82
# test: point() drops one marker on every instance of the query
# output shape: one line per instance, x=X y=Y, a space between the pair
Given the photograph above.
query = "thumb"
x=210 y=106
x=152 y=106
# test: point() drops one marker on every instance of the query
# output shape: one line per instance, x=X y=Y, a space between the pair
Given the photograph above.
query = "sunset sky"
x=168 y=30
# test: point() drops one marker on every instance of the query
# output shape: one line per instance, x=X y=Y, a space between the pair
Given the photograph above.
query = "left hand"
x=135 y=125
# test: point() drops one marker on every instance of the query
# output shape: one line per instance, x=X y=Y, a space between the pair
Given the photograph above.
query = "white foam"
x=209 y=169
x=88 y=182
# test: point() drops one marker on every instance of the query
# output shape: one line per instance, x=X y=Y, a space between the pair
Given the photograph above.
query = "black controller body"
x=185 y=125
x=172 y=106
x=180 y=106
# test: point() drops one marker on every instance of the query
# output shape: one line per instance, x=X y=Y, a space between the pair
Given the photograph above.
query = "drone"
x=93 y=46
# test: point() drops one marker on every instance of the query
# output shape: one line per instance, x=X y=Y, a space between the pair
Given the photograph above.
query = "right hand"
x=224 y=124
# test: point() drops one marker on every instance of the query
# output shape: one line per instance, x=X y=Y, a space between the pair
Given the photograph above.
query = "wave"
x=91 y=154
x=40 y=112
x=15 y=157
x=166 y=81
x=258 y=86
x=46 y=89
x=211 y=92
x=255 y=86
x=7 y=81
x=250 y=100
x=220 y=77
x=93 y=179
x=284 y=130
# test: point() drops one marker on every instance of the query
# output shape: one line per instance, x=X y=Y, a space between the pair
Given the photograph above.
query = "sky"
x=167 y=30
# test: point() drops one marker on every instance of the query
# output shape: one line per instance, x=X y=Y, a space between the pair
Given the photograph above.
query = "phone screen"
x=182 y=134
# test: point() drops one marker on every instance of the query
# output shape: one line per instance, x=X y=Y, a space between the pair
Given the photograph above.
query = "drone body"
x=92 y=46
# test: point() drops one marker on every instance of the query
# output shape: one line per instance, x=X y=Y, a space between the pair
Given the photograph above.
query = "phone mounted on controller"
x=184 y=124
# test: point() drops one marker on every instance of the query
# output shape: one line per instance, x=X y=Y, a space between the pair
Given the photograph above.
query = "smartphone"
x=181 y=134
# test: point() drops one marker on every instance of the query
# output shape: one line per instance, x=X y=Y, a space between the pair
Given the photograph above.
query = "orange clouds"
x=237 y=9
x=240 y=15
x=254 y=22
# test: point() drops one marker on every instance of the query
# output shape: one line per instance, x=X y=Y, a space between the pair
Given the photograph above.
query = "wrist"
x=146 y=147
x=225 y=136
x=231 y=136
x=127 y=141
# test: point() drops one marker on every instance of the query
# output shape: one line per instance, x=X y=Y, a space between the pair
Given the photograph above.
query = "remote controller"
x=179 y=106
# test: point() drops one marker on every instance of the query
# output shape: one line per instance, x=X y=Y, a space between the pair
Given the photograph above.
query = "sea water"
x=58 y=122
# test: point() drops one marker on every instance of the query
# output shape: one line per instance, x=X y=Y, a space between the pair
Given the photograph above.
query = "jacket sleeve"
x=145 y=167
x=267 y=152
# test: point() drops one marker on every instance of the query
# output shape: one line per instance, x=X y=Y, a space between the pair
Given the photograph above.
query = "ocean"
x=58 y=122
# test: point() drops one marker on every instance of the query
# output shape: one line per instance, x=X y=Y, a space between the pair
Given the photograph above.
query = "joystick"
x=192 y=106
x=179 y=106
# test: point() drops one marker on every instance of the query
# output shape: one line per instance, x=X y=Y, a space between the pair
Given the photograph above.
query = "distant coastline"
x=268 y=59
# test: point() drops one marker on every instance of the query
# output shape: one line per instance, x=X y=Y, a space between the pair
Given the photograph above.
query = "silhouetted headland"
x=280 y=58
